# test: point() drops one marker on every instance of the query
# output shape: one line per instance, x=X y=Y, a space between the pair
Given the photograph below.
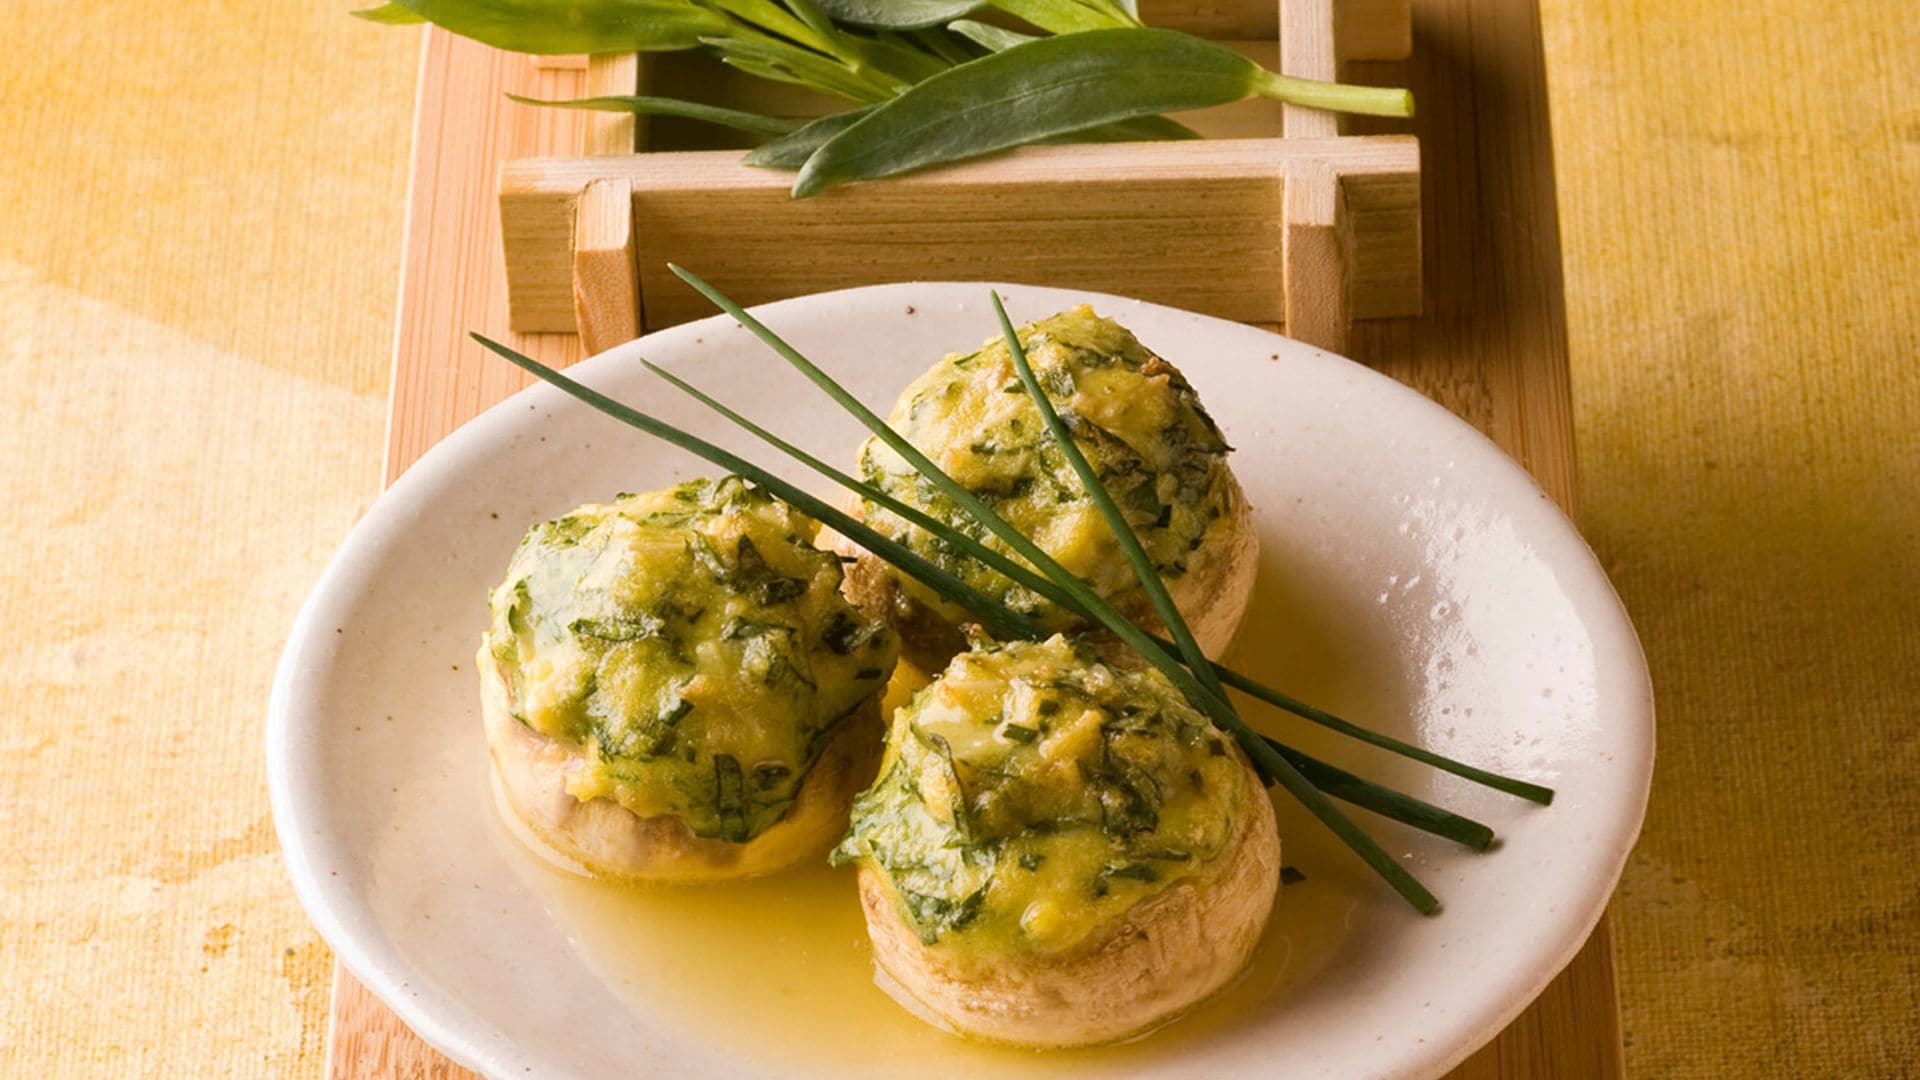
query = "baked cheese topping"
x=1033 y=794
x=1131 y=413
x=694 y=643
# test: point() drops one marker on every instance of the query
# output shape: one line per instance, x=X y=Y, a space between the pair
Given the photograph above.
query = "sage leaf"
x=641 y=105
x=1051 y=87
x=987 y=36
x=1139 y=129
x=1061 y=16
x=898 y=14
x=1146 y=129
x=558 y=27
x=1032 y=91
x=781 y=60
x=790 y=151
x=1126 y=12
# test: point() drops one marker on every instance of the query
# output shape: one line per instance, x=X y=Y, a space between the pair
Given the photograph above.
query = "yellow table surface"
x=200 y=216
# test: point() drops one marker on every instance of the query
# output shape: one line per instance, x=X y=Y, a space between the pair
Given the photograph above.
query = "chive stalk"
x=1268 y=762
x=1008 y=622
x=1143 y=568
x=1274 y=765
x=1045 y=588
x=1334 y=781
x=1002 y=620
x=1387 y=802
x=1093 y=603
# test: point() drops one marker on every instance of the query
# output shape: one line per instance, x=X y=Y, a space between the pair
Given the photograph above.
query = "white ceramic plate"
x=1411 y=575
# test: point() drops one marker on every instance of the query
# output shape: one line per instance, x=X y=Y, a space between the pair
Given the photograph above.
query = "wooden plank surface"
x=1045 y=205
x=1491 y=347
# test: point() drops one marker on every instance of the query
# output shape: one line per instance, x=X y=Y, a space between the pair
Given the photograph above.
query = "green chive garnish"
x=1272 y=763
x=1025 y=577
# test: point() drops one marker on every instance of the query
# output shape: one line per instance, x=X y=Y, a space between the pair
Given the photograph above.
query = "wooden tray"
x=1490 y=345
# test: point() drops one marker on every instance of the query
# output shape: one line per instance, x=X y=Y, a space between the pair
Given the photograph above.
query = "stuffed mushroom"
x=1059 y=850
x=674 y=688
x=1140 y=425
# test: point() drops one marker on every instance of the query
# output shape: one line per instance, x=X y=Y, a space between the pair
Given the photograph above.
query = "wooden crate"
x=1277 y=218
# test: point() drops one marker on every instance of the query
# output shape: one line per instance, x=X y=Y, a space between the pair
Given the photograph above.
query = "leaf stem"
x=641 y=105
x=1338 y=97
x=1385 y=801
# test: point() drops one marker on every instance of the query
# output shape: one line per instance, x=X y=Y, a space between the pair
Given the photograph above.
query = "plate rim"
x=434 y=1019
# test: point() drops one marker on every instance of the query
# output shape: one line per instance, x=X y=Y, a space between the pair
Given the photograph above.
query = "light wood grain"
x=612 y=75
x=1307 y=51
x=1316 y=256
x=606 y=290
x=451 y=280
x=1490 y=345
x=1110 y=218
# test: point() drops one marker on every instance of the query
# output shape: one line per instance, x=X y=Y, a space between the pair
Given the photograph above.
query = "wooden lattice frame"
x=1282 y=221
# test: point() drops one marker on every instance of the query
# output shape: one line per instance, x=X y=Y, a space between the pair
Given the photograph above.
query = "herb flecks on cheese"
x=1033 y=794
x=694 y=642
x=1132 y=414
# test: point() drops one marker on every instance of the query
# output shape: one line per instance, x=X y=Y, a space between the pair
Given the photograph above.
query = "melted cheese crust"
x=694 y=643
x=1131 y=413
x=1033 y=794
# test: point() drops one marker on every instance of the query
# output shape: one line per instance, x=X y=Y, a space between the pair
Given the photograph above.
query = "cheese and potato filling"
x=694 y=643
x=1034 y=793
x=1131 y=413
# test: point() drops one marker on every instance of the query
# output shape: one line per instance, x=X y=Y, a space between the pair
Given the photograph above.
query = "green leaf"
x=898 y=14
x=1056 y=86
x=388 y=15
x=941 y=42
x=1061 y=16
x=1032 y=91
x=992 y=38
x=1125 y=12
x=664 y=106
x=775 y=58
x=790 y=151
x=1146 y=129
x=550 y=27
x=1142 y=129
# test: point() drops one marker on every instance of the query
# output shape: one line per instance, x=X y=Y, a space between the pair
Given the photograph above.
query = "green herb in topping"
x=1019 y=732
x=932 y=914
x=769 y=588
x=845 y=632
x=730 y=799
x=1128 y=871
x=630 y=627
